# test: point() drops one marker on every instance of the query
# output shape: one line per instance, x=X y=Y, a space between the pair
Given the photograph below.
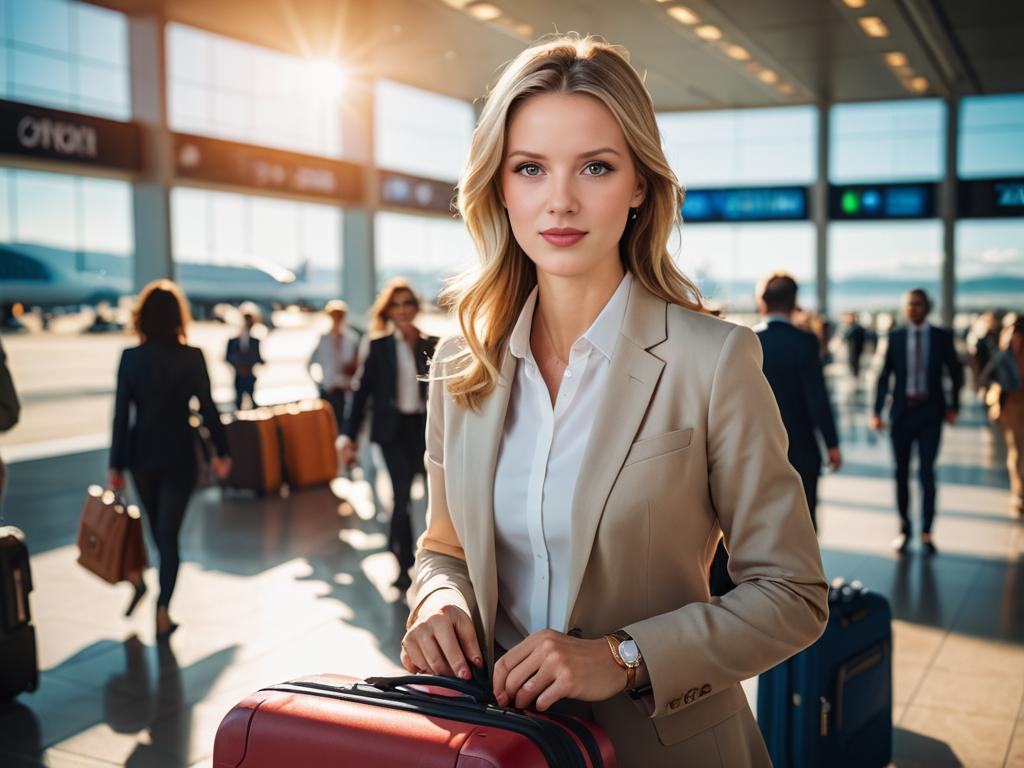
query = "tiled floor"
x=281 y=587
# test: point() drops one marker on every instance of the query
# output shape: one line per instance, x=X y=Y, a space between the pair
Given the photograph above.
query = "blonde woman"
x=393 y=379
x=594 y=432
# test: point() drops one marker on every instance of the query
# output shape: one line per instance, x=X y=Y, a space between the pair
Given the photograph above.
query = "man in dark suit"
x=915 y=359
x=855 y=338
x=244 y=355
x=792 y=365
x=793 y=368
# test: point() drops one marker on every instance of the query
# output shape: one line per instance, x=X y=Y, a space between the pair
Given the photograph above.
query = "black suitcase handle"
x=481 y=694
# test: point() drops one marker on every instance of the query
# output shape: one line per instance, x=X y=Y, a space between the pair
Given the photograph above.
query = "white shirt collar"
x=602 y=334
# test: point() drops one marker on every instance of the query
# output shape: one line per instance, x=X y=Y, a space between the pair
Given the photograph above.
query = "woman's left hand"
x=548 y=666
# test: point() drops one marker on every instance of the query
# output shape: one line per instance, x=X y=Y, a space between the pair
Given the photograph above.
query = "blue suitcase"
x=831 y=705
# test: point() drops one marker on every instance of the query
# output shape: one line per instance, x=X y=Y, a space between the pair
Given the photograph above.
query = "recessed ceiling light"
x=919 y=84
x=737 y=52
x=708 y=32
x=855 y=3
x=683 y=15
x=460 y=4
x=484 y=11
x=896 y=59
x=768 y=76
x=873 y=26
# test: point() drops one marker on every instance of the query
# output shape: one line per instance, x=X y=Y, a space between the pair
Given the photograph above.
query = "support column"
x=819 y=207
x=151 y=190
x=358 y=241
x=947 y=210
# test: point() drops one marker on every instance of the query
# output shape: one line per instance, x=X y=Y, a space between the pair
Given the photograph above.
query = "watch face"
x=629 y=652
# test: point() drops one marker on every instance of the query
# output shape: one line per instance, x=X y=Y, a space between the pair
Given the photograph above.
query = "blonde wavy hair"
x=488 y=299
x=380 y=322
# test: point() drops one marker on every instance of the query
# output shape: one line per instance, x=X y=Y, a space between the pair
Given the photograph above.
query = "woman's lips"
x=563 y=238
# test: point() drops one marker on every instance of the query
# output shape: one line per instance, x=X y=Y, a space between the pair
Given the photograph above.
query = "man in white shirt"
x=337 y=355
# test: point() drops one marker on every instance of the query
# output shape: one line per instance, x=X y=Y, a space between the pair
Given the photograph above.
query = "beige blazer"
x=687 y=445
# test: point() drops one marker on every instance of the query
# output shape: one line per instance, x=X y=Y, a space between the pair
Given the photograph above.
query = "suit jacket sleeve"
x=888 y=368
x=364 y=392
x=780 y=603
x=122 y=405
x=817 y=395
x=10 y=408
x=956 y=370
x=440 y=559
x=258 y=347
x=207 y=408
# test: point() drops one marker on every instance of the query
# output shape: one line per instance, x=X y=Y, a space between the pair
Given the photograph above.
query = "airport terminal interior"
x=273 y=155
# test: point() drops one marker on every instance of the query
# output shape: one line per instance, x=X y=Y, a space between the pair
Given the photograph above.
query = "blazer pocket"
x=650 y=447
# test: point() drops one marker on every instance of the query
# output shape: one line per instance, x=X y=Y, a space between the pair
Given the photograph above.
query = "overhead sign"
x=989 y=198
x=404 y=191
x=262 y=169
x=871 y=202
x=745 y=204
x=51 y=134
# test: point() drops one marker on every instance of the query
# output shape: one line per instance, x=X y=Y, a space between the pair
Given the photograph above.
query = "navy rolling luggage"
x=831 y=705
x=19 y=669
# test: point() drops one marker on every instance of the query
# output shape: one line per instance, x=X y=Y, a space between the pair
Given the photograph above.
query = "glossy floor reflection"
x=276 y=588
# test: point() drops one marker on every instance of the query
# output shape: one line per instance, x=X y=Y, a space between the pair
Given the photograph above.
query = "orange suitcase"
x=308 y=434
x=255 y=452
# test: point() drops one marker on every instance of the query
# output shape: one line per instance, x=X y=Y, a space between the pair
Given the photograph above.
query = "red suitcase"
x=399 y=722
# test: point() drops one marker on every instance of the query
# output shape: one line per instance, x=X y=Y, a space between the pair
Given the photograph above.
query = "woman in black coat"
x=156 y=440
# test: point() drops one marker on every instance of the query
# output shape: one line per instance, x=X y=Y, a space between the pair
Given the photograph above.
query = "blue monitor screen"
x=745 y=204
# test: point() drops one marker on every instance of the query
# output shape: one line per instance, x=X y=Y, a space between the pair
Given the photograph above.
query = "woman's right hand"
x=442 y=641
x=115 y=480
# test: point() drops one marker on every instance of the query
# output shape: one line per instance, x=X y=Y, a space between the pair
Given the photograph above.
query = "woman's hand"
x=441 y=640
x=221 y=466
x=549 y=666
x=115 y=480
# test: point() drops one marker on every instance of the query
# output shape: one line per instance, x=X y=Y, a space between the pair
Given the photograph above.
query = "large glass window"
x=990 y=264
x=727 y=260
x=241 y=92
x=66 y=55
x=873 y=263
x=235 y=246
x=741 y=147
x=73 y=234
x=992 y=136
x=424 y=249
x=888 y=141
x=421 y=133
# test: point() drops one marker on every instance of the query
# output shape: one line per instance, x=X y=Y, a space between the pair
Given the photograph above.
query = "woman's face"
x=402 y=308
x=568 y=182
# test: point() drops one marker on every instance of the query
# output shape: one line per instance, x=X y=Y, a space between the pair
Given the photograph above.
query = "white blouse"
x=538 y=462
x=408 y=399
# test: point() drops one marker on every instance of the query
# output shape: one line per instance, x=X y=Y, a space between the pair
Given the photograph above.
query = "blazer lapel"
x=482 y=434
x=633 y=375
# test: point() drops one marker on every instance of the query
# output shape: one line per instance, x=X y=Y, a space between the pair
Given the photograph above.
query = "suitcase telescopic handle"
x=480 y=694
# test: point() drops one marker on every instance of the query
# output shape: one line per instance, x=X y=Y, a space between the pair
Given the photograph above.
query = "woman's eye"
x=597 y=169
x=529 y=169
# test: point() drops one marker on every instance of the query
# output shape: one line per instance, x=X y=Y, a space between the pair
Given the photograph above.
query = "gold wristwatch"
x=626 y=654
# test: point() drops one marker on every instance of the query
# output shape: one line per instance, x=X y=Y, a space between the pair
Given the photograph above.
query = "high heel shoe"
x=140 y=590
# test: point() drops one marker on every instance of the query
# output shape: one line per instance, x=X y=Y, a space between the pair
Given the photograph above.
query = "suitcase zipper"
x=19 y=597
x=557 y=746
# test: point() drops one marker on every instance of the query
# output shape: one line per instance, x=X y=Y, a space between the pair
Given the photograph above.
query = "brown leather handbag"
x=110 y=540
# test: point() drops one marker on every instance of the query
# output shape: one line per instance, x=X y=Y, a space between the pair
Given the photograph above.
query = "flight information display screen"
x=881 y=201
x=745 y=204
x=989 y=198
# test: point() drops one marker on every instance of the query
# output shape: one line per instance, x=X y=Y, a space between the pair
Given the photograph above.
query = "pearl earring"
x=633 y=216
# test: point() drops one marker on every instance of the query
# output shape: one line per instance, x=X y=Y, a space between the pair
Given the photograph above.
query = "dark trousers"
x=244 y=385
x=404 y=458
x=809 y=479
x=164 y=494
x=923 y=427
x=338 y=400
